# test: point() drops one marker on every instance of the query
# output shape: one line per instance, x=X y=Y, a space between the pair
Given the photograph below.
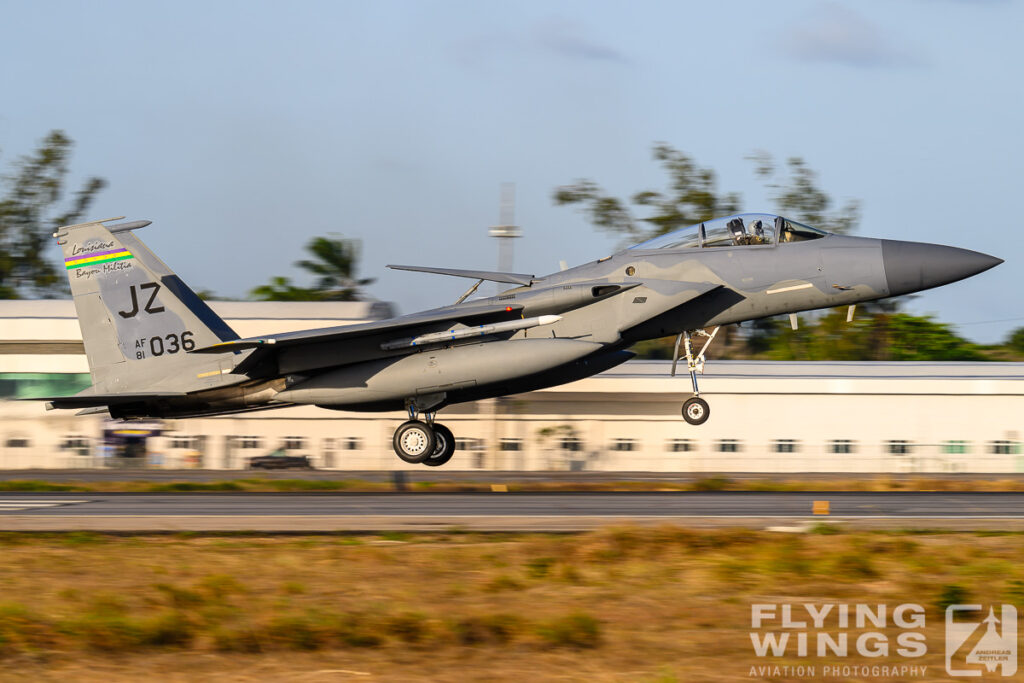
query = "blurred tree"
x=879 y=337
x=207 y=294
x=1016 y=340
x=798 y=196
x=282 y=289
x=920 y=337
x=30 y=211
x=334 y=262
x=692 y=196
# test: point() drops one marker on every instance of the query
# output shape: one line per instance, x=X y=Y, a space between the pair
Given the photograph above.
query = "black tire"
x=414 y=442
x=696 y=410
x=444 y=447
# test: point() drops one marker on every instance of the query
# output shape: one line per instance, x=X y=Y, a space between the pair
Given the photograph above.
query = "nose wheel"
x=695 y=409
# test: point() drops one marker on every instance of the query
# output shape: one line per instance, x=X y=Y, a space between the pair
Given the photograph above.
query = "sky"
x=244 y=129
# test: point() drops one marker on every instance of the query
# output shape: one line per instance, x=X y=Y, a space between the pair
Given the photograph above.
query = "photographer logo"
x=976 y=643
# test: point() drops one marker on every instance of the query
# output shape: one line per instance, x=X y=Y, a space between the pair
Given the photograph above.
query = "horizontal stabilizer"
x=489 y=275
x=95 y=400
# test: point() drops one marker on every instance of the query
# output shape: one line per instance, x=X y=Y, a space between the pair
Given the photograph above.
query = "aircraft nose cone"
x=913 y=266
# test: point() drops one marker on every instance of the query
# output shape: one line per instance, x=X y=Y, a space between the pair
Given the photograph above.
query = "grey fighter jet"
x=156 y=350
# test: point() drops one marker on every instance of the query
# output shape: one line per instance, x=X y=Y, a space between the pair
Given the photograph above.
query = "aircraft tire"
x=414 y=441
x=444 y=449
x=696 y=410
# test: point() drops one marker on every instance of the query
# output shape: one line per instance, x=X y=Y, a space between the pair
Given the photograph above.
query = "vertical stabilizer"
x=138 y=318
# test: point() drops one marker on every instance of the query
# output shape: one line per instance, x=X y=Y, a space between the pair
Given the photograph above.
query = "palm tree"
x=334 y=263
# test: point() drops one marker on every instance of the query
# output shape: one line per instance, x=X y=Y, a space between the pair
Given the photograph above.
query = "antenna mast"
x=506 y=231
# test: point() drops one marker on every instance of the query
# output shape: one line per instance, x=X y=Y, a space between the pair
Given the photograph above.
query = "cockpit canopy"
x=745 y=229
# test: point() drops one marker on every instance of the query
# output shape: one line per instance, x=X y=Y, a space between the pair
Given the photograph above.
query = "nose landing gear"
x=695 y=409
x=429 y=443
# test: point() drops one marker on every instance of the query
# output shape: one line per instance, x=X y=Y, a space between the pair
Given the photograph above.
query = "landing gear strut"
x=429 y=442
x=695 y=409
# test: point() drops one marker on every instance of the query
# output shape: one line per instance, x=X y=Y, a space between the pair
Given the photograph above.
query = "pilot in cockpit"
x=753 y=234
x=756 y=232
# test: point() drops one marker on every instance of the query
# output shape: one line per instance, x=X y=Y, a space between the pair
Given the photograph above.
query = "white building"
x=766 y=417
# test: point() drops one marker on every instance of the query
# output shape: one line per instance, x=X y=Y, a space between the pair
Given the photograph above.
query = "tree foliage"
x=1016 y=340
x=333 y=262
x=874 y=337
x=798 y=196
x=692 y=196
x=31 y=209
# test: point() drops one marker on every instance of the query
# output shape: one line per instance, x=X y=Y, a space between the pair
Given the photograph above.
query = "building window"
x=785 y=445
x=624 y=445
x=955 y=447
x=182 y=442
x=1004 y=447
x=329 y=445
x=248 y=442
x=79 y=445
x=679 y=445
x=469 y=444
x=511 y=444
x=898 y=447
x=352 y=443
x=18 y=442
x=728 y=446
x=842 y=446
x=571 y=443
x=294 y=443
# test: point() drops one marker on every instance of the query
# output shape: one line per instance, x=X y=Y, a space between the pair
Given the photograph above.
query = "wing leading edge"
x=489 y=275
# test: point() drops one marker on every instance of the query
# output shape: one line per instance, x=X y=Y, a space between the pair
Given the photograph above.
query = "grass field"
x=620 y=604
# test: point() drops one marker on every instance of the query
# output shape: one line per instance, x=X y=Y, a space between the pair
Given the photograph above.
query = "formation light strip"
x=97 y=258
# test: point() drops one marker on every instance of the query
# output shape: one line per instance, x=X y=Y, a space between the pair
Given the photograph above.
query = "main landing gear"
x=695 y=409
x=429 y=443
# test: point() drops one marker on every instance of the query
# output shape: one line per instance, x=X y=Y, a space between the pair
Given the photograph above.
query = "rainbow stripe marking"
x=97 y=257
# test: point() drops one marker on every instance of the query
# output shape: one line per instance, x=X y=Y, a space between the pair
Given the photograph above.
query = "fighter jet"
x=156 y=350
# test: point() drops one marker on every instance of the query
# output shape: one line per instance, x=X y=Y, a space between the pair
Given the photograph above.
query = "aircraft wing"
x=489 y=275
x=404 y=324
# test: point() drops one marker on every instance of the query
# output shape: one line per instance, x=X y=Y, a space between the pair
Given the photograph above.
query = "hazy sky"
x=242 y=129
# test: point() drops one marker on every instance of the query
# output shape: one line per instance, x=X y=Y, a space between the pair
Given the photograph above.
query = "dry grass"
x=620 y=604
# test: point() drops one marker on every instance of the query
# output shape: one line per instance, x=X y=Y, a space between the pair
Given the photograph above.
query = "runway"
x=320 y=512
